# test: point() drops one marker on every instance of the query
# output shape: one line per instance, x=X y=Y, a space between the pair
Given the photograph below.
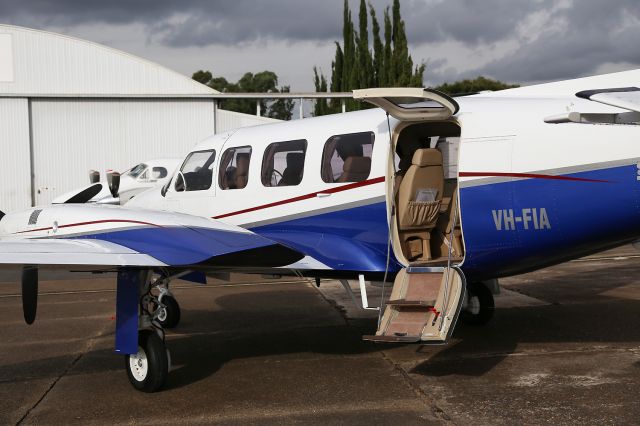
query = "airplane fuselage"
x=531 y=193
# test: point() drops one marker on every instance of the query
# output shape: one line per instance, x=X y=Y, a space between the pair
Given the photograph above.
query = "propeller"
x=113 y=180
x=29 y=293
x=94 y=176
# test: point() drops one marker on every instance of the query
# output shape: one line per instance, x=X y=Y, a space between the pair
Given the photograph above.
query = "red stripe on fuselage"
x=528 y=175
x=306 y=196
x=137 y=222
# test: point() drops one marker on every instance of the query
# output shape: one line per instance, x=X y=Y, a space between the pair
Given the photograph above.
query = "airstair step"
x=412 y=303
x=391 y=338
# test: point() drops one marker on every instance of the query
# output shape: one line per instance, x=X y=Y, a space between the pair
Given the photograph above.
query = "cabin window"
x=196 y=172
x=159 y=173
x=283 y=163
x=234 y=168
x=347 y=158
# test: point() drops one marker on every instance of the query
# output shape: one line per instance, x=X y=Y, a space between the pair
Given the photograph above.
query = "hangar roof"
x=34 y=62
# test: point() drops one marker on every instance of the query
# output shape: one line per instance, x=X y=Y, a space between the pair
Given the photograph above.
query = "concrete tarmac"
x=563 y=347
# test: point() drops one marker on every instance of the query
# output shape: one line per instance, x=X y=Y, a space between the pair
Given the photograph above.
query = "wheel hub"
x=139 y=365
x=473 y=305
x=162 y=313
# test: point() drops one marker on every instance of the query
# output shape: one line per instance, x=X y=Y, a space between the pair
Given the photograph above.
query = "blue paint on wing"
x=177 y=246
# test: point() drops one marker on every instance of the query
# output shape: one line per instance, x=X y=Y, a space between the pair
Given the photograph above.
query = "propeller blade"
x=94 y=176
x=29 y=293
x=113 y=179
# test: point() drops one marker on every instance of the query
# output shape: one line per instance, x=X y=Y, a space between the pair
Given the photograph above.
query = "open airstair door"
x=410 y=103
x=428 y=292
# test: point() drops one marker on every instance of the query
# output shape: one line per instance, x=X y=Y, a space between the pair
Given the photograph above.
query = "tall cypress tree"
x=354 y=66
x=379 y=79
x=388 y=73
x=366 y=74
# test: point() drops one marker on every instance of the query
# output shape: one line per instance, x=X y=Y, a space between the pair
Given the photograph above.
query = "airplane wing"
x=621 y=97
x=93 y=235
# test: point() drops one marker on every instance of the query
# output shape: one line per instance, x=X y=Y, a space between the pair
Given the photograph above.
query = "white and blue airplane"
x=442 y=196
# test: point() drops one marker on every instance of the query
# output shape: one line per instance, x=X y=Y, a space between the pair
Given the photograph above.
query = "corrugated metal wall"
x=72 y=136
x=228 y=120
x=15 y=181
x=48 y=63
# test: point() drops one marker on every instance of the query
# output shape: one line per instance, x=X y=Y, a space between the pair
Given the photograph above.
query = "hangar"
x=68 y=106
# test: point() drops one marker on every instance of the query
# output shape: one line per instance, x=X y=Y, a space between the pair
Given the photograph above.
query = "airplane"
x=438 y=196
x=131 y=182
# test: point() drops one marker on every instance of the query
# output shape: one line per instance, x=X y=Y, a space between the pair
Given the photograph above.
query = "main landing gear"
x=479 y=304
x=148 y=367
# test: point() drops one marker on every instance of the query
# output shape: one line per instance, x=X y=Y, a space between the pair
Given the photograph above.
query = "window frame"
x=222 y=168
x=267 y=152
x=180 y=173
x=324 y=159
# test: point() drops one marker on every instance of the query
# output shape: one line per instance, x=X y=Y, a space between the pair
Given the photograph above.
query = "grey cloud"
x=468 y=21
x=595 y=34
x=192 y=22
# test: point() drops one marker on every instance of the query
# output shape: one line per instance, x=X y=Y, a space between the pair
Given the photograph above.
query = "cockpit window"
x=135 y=171
x=196 y=172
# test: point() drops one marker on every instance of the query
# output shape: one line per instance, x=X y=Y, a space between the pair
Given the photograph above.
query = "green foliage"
x=473 y=86
x=321 y=107
x=265 y=81
x=357 y=66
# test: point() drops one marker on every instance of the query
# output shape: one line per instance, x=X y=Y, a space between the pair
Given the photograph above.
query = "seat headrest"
x=427 y=157
x=242 y=163
x=295 y=160
x=357 y=165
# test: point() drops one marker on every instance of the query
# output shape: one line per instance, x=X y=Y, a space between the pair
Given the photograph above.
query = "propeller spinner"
x=113 y=180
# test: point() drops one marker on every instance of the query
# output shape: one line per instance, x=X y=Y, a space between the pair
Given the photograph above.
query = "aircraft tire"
x=480 y=305
x=171 y=316
x=148 y=369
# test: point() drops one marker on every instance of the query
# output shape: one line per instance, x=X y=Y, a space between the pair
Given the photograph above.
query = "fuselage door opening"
x=423 y=212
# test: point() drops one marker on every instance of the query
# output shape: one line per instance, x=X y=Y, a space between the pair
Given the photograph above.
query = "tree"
x=473 y=86
x=357 y=65
x=320 y=107
x=263 y=82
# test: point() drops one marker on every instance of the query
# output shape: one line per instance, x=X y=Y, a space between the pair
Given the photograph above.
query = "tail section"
x=1 y=214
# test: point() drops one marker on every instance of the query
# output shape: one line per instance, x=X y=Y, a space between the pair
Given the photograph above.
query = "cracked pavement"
x=563 y=347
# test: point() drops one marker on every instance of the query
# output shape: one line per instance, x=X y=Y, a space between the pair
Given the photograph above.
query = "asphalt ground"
x=563 y=347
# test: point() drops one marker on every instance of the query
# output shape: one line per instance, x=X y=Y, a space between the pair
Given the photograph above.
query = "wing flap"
x=72 y=252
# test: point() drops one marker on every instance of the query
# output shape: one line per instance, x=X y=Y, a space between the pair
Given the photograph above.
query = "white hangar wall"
x=81 y=135
x=68 y=106
x=15 y=171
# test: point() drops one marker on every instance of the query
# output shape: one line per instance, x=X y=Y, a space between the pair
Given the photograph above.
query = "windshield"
x=136 y=170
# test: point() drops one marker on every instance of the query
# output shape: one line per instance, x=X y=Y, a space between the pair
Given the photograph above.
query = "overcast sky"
x=515 y=41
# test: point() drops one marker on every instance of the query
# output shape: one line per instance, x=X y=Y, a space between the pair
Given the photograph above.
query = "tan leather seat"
x=242 y=170
x=292 y=175
x=417 y=218
x=355 y=169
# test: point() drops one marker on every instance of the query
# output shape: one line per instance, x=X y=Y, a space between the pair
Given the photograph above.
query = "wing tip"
x=586 y=94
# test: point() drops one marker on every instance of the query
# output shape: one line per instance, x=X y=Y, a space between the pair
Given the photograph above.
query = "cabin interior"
x=426 y=216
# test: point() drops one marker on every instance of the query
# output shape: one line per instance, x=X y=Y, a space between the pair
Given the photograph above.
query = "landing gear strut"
x=479 y=304
x=166 y=310
x=143 y=305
